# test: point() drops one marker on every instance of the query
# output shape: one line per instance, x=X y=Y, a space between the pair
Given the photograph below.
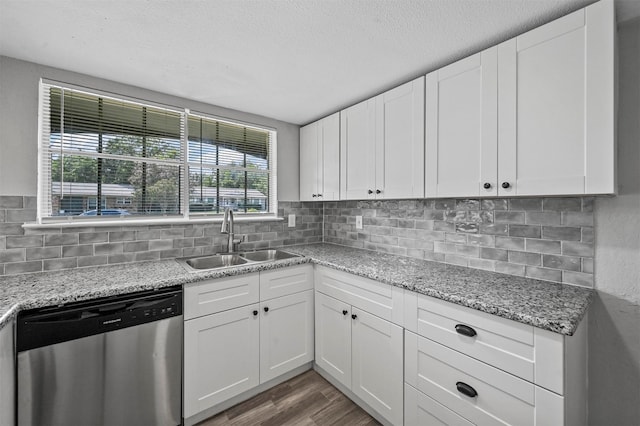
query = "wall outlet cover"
x=358 y=222
x=292 y=220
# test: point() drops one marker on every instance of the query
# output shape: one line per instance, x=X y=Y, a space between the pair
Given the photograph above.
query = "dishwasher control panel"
x=51 y=325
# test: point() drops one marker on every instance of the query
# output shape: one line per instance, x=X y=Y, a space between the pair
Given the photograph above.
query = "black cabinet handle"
x=370 y=191
x=465 y=330
x=354 y=316
x=266 y=309
x=505 y=185
x=319 y=195
x=487 y=185
x=467 y=390
x=314 y=195
x=345 y=312
x=378 y=191
x=255 y=313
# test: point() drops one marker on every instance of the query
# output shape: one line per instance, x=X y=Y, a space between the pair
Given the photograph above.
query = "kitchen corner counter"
x=543 y=304
x=550 y=306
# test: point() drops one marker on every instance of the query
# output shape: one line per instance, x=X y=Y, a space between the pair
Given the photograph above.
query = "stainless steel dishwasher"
x=110 y=361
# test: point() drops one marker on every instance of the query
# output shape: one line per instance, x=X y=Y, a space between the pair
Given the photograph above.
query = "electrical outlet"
x=292 y=221
x=358 y=222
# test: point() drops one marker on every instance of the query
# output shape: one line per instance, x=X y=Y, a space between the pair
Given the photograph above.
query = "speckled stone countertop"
x=550 y=306
x=27 y=291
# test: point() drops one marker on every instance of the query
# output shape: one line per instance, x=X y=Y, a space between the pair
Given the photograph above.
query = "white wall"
x=614 y=321
x=19 y=129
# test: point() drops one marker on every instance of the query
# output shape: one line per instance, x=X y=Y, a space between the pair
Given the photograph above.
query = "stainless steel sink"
x=267 y=255
x=215 y=261
x=223 y=260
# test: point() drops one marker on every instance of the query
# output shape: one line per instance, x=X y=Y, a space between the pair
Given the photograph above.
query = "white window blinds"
x=230 y=165
x=105 y=156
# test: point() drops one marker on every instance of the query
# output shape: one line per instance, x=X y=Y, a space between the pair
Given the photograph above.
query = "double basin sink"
x=227 y=260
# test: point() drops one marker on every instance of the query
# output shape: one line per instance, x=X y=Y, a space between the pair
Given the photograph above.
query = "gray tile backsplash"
x=34 y=250
x=544 y=238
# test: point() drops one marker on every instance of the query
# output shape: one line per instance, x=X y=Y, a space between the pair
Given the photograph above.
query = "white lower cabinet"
x=376 y=364
x=363 y=352
x=476 y=391
x=286 y=334
x=463 y=365
x=233 y=349
x=333 y=337
x=221 y=357
x=419 y=409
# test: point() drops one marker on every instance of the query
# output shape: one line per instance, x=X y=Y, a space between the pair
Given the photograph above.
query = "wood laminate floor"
x=305 y=400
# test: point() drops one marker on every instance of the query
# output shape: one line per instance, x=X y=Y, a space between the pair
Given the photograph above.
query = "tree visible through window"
x=101 y=155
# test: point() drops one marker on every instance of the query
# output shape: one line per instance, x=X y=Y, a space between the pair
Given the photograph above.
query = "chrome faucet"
x=227 y=228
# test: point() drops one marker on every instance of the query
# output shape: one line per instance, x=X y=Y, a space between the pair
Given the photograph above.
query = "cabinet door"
x=330 y=167
x=462 y=128
x=286 y=334
x=400 y=141
x=377 y=374
x=221 y=357
x=556 y=106
x=333 y=337
x=357 y=151
x=309 y=160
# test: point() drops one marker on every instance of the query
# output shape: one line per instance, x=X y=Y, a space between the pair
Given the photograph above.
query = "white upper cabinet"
x=556 y=107
x=320 y=160
x=382 y=150
x=400 y=141
x=532 y=116
x=461 y=128
x=357 y=151
x=309 y=162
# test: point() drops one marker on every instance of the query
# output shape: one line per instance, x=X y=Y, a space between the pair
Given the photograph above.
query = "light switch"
x=358 y=222
x=292 y=221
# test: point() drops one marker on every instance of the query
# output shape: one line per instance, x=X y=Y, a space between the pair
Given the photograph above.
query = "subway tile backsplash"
x=50 y=249
x=544 y=238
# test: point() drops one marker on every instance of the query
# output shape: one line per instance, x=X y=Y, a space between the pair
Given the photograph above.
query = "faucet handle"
x=237 y=241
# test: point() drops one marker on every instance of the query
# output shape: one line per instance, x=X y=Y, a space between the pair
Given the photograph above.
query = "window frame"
x=44 y=166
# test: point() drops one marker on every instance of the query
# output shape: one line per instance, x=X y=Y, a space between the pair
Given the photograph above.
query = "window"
x=101 y=154
x=229 y=166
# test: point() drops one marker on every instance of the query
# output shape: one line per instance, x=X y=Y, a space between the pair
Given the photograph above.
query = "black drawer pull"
x=467 y=390
x=354 y=316
x=465 y=330
x=345 y=312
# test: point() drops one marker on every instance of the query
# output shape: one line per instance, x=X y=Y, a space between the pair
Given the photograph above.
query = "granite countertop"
x=550 y=306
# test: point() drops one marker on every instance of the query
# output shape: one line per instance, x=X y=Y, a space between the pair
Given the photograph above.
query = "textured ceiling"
x=293 y=60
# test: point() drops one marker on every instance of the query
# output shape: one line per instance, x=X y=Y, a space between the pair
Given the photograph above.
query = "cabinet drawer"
x=383 y=300
x=419 y=410
x=211 y=296
x=533 y=354
x=284 y=281
x=501 y=398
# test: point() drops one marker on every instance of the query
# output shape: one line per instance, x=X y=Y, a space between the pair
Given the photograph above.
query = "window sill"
x=136 y=222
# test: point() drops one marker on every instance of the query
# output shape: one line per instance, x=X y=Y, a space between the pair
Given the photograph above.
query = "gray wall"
x=614 y=321
x=19 y=130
